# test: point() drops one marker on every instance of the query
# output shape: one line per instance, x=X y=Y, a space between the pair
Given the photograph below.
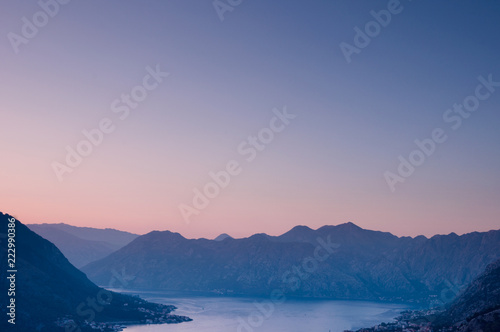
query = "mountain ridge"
x=53 y=295
x=82 y=245
x=368 y=265
x=475 y=309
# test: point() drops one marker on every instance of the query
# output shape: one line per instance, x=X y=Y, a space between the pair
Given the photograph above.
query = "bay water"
x=243 y=314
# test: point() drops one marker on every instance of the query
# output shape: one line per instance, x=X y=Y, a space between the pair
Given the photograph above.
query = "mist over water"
x=225 y=314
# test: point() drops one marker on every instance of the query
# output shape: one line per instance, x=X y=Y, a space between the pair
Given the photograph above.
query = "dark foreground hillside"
x=476 y=309
x=52 y=295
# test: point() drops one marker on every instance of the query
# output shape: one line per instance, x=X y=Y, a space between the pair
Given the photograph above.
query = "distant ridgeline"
x=341 y=262
x=50 y=294
x=82 y=245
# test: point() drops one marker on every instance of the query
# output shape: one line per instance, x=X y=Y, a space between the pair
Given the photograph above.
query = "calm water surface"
x=236 y=314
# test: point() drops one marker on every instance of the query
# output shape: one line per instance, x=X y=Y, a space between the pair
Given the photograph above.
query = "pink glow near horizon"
x=326 y=167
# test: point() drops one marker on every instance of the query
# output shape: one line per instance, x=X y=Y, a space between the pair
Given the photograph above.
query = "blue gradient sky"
x=353 y=120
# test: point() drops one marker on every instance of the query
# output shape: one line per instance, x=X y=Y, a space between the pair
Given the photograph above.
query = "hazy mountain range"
x=342 y=262
x=52 y=295
x=82 y=245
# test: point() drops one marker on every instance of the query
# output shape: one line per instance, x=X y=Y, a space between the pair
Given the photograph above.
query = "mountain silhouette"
x=222 y=237
x=82 y=245
x=477 y=308
x=342 y=262
x=51 y=294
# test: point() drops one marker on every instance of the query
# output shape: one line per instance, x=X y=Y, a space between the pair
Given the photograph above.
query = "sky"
x=307 y=112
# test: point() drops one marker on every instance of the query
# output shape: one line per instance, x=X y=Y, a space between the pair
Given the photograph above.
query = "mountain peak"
x=50 y=289
x=345 y=226
x=299 y=233
x=165 y=235
x=301 y=228
x=222 y=237
x=350 y=225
